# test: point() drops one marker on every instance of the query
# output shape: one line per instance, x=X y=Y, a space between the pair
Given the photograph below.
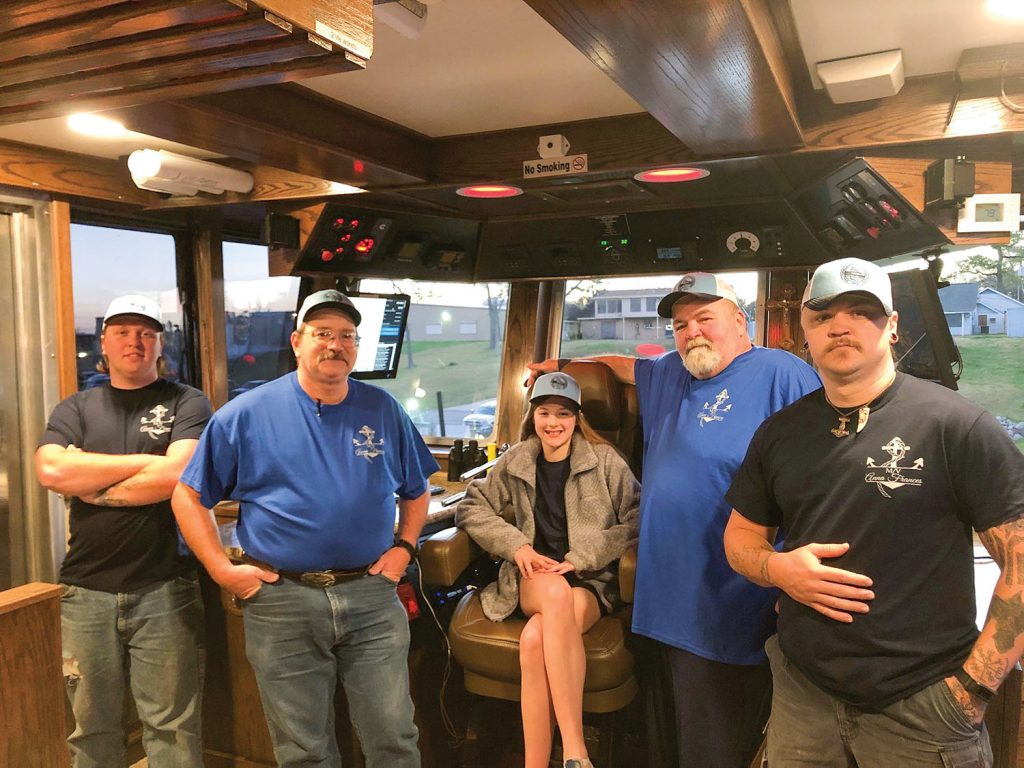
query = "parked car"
x=480 y=423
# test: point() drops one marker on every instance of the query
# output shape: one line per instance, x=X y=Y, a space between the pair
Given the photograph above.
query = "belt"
x=318 y=579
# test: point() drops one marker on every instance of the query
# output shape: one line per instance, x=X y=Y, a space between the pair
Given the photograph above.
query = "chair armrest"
x=627 y=574
x=445 y=555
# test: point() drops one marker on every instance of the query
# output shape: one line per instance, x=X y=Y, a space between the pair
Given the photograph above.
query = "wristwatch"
x=973 y=687
x=402 y=543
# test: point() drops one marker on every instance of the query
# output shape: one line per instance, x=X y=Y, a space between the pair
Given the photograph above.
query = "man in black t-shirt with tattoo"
x=131 y=613
x=877 y=481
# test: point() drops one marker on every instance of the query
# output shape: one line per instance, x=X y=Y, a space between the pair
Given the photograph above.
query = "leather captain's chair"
x=489 y=651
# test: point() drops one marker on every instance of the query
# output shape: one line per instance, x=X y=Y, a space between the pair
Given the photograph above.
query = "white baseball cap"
x=703 y=285
x=139 y=306
x=834 y=278
x=556 y=385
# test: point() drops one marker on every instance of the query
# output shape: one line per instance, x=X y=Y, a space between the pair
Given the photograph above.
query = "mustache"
x=694 y=343
x=842 y=343
x=328 y=354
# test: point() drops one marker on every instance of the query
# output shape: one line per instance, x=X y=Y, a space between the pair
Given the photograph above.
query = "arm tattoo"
x=987 y=668
x=764 y=568
x=1006 y=545
x=1008 y=619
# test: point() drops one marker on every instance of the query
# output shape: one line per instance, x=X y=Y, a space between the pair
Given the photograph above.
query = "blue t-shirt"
x=316 y=483
x=696 y=433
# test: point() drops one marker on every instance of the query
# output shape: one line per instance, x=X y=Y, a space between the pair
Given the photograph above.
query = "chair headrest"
x=600 y=393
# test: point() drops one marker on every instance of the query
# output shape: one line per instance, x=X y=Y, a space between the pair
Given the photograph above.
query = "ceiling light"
x=162 y=171
x=1012 y=10
x=98 y=127
x=489 y=191
x=672 y=174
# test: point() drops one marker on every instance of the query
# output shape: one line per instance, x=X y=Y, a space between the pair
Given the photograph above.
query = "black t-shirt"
x=904 y=492
x=121 y=549
x=551 y=532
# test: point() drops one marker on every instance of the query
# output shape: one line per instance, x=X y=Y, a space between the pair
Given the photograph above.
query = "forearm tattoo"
x=987 y=667
x=1007 y=616
x=1006 y=545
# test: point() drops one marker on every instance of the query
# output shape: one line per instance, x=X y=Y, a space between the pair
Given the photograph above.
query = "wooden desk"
x=32 y=725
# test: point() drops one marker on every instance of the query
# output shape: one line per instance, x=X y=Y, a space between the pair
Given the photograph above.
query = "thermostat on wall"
x=990 y=213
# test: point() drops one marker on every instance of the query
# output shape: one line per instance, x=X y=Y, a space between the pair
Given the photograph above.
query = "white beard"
x=701 y=361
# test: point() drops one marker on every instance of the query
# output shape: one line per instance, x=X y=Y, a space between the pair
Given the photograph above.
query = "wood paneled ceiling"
x=724 y=83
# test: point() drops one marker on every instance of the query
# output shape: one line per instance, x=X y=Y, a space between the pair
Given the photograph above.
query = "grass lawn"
x=463 y=371
x=993 y=374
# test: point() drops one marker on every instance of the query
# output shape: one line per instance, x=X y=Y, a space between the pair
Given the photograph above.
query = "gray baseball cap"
x=328 y=298
x=834 y=278
x=138 y=306
x=703 y=285
x=556 y=385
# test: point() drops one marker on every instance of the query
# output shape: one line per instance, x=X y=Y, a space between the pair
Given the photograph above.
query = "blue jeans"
x=302 y=640
x=152 y=640
x=808 y=727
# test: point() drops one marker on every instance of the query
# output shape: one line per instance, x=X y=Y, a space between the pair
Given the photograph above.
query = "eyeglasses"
x=324 y=336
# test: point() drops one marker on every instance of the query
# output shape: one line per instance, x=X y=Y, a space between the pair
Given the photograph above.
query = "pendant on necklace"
x=841 y=430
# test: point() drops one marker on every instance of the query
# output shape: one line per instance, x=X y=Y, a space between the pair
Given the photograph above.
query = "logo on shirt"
x=158 y=425
x=890 y=474
x=715 y=411
x=370 y=449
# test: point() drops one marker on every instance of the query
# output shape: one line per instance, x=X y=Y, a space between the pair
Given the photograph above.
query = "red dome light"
x=326 y=255
x=489 y=191
x=672 y=175
x=364 y=245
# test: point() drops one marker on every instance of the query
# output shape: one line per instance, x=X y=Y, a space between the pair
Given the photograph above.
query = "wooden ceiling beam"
x=713 y=72
x=292 y=129
x=613 y=145
x=918 y=113
x=68 y=174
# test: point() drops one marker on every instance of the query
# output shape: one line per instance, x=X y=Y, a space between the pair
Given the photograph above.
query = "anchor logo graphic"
x=889 y=473
x=370 y=449
x=715 y=412
x=157 y=425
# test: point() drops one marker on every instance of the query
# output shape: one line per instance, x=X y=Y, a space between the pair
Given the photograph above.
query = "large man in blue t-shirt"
x=698 y=415
x=315 y=460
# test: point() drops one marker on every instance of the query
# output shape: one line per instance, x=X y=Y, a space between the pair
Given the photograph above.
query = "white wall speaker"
x=861 y=78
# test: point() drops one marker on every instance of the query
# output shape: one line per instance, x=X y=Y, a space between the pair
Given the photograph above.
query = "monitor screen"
x=381 y=333
x=926 y=348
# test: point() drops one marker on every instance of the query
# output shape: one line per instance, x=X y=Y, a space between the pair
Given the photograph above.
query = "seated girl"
x=575 y=503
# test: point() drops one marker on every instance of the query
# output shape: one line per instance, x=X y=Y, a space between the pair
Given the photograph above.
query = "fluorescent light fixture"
x=98 y=127
x=1011 y=10
x=162 y=171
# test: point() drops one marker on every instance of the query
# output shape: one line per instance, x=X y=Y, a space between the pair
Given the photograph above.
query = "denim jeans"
x=808 y=727
x=302 y=640
x=152 y=640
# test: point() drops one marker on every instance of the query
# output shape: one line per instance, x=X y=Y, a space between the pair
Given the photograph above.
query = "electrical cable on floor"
x=456 y=740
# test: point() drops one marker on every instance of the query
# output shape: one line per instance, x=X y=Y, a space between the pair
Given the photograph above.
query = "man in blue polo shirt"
x=316 y=459
x=700 y=404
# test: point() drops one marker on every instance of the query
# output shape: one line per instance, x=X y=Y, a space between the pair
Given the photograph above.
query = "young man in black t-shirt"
x=877 y=481
x=131 y=612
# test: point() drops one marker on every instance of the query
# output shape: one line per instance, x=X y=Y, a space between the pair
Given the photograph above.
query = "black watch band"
x=413 y=551
x=973 y=687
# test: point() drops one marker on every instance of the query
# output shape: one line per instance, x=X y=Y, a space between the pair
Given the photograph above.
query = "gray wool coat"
x=602 y=501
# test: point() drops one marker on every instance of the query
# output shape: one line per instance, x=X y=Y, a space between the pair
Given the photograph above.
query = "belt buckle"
x=319 y=579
